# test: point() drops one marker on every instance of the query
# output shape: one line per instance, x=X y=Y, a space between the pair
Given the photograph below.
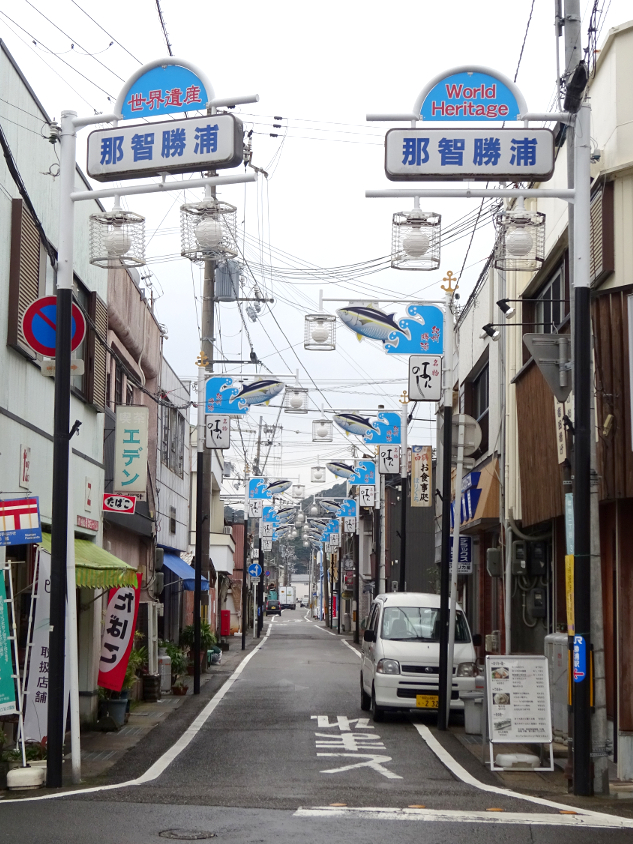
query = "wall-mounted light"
x=507 y=309
x=489 y=331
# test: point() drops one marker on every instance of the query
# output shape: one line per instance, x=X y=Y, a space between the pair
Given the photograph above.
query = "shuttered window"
x=602 y=258
x=24 y=274
x=96 y=352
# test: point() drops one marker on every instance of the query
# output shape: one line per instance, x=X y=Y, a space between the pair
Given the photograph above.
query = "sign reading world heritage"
x=471 y=93
x=175 y=146
x=462 y=153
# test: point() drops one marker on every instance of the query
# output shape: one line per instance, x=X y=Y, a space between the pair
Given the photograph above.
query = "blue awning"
x=183 y=572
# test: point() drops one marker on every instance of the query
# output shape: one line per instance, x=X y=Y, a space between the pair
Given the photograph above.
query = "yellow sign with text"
x=569 y=593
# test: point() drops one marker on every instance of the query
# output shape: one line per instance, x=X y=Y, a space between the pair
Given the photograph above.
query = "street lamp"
x=520 y=243
x=415 y=239
x=319 y=333
x=322 y=431
x=207 y=229
x=507 y=309
x=117 y=238
x=489 y=330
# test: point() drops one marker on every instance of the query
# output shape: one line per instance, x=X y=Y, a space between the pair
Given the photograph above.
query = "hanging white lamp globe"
x=416 y=244
x=319 y=332
x=322 y=431
x=207 y=230
x=314 y=510
x=209 y=233
x=117 y=238
x=317 y=474
x=296 y=399
x=117 y=242
x=415 y=239
x=520 y=242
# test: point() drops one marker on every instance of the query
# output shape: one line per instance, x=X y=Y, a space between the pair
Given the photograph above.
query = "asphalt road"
x=284 y=745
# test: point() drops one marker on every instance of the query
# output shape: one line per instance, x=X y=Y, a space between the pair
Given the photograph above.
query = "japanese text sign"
x=421 y=475
x=389 y=459
x=218 y=431
x=422 y=330
x=367 y=496
x=7 y=684
x=255 y=507
x=365 y=473
x=20 y=521
x=580 y=659
x=165 y=89
x=118 y=638
x=175 y=146
x=119 y=503
x=471 y=93
x=517 y=689
x=130 y=449
x=480 y=154
x=385 y=429
x=425 y=378
x=465 y=561
x=257 y=488
x=348 y=508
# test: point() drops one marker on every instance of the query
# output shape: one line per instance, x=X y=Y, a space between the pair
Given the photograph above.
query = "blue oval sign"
x=164 y=90
x=471 y=94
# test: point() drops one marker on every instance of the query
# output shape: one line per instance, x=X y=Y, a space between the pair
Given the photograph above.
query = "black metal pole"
x=338 y=595
x=59 y=541
x=442 y=712
x=583 y=778
x=197 y=592
x=404 y=487
x=377 y=553
x=260 y=593
x=356 y=589
x=244 y=595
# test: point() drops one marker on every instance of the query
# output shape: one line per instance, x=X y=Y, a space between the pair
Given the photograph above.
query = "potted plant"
x=178 y=668
x=207 y=639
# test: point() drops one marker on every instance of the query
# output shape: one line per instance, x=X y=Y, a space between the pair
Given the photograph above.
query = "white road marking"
x=371 y=761
x=462 y=774
x=352 y=744
x=342 y=722
x=357 y=652
x=155 y=770
x=593 y=820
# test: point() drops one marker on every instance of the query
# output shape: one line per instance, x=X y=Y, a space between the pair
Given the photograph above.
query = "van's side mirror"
x=369 y=636
x=476 y=639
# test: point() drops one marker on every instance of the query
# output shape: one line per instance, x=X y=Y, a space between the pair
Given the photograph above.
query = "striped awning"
x=96 y=568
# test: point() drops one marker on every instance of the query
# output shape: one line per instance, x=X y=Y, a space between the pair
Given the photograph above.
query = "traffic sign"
x=119 y=503
x=267 y=574
x=39 y=325
x=580 y=659
x=218 y=431
x=425 y=378
x=255 y=570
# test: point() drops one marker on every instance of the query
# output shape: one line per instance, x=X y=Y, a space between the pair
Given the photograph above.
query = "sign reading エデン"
x=470 y=93
x=130 y=449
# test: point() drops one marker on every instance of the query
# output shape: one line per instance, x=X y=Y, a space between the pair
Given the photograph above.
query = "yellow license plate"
x=427 y=701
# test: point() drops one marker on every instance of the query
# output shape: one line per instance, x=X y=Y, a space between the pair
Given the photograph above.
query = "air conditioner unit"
x=228 y=530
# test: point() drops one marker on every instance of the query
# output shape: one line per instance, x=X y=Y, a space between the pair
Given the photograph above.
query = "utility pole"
x=404 y=492
x=244 y=560
x=447 y=448
x=339 y=562
x=356 y=541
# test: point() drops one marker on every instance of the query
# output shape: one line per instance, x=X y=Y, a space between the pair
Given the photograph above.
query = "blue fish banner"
x=269 y=514
x=423 y=332
x=220 y=397
x=257 y=488
x=348 y=508
x=386 y=430
x=365 y=474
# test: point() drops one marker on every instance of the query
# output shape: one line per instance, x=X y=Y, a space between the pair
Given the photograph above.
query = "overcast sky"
x=321 y=68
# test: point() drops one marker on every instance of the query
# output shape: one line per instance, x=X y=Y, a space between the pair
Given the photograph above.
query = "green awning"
x=96 y=568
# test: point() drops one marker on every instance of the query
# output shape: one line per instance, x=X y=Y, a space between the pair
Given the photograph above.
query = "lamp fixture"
x=489 y=331
x=507 y=309
x=520 y=243
x=319 y=332
x=117 y=238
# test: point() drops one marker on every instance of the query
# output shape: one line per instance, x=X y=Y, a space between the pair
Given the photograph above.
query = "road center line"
x=462 y=774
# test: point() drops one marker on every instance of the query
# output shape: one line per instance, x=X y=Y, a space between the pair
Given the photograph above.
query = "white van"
x=401 y=655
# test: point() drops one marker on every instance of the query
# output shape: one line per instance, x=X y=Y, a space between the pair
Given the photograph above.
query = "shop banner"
x=36 y=704
x=118 y=638
x=517 y=687
x=421 y=460
x=7 y=683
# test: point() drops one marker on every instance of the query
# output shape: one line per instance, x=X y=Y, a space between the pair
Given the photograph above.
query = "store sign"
x=467 y=94
x=365 y=473
x=389 y=459
x=267 y=544
x=176 y=146
x=421 y=472
x=255 y=508
x=425 y=378
x=20 y=521
x=119 y=503
x=118 y=637
x=465 y=561
x=517 y=689
x=130 y=449
x=218 y=431
x=25 y=466
x=165 y=89
x=349 y=524
x=478 y=154
x=7 y=683
x=367 y=496
x=385 y=429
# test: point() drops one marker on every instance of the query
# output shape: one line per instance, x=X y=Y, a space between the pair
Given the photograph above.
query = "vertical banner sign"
x=421 y=457
x=120 y=623
x=389 y=459
x=36 y=706
x=130 y=449
x=7 y=684
x=569 y=594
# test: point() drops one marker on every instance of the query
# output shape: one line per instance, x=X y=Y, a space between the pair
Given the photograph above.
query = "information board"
x=517 y=690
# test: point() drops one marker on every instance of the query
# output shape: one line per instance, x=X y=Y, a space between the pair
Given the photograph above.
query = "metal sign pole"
x=457 y=510
x=404 y=494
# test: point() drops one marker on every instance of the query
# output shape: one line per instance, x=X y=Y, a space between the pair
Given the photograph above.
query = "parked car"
x=401 y=655
x=273 y=607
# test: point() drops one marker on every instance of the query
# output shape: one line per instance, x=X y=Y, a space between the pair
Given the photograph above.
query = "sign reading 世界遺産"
x=130 y=449
x=459 y=153
x=176 y=146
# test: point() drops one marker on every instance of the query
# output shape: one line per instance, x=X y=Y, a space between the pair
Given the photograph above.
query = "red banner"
x=118 y=638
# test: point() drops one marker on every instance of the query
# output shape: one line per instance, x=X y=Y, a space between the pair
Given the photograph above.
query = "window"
x=548 y=307
x=476 y=402
x=118 y=386
x=172 y=520
x=173 y=439
x=420 y=624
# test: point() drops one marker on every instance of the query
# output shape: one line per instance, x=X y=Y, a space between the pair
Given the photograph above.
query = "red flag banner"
x=118 y=637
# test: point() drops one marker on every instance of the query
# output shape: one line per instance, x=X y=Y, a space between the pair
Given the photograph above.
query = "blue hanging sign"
x=580 y=659
x=20 y=521
x=386 y=430
x=269 y=514
x=365 y=474
x=348 y=508
x=257 y=488
x=221 y=397
x=164 y=86
x=424 y=332
x=470 y=93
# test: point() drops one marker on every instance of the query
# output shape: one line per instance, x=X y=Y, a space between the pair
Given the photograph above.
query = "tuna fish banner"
x=222 y=396
x=421 y=332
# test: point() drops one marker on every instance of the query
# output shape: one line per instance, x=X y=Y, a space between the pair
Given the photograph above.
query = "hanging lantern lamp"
x=520 y=243
x=415 y=239
x=117 y=238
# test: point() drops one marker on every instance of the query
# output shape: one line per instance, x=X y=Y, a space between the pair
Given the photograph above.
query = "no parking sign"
x=39 y=325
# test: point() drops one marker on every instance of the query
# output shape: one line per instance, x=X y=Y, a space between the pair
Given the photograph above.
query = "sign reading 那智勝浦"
x=470 y=93
x=210 y=142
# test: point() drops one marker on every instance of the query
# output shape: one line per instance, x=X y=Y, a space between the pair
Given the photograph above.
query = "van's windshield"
x=422 y=624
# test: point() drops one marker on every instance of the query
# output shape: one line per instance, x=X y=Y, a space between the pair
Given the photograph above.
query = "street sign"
x=470 y=93
x=335 y=540
x=20 y=521
x=255 y=508
x=580 y=659
x=385 y=429
x=119 y=503
x=175 y=146
x=218 y=431
x=255 y=570
x=367 y=495
x=389 y=459
x=465 y=561
x=48 y=367
x=421 y=476
x=552 y=355
x=425 y=378
x=39 y=325
x=267 y=574
x=349 y=524
x=517 y=155
x=267 y=545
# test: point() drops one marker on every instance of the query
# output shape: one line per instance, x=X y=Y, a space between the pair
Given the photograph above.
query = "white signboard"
x=425 y=377
x=465 y=556
x=514 y=155
x=267 y=544
x=421 y=475
x=349 y=524
x=255 y=508
x=367 y=496
x=254 y=553
x=192 y=144
x=130 y=449
x=266 y=530
x=218 y=431
x=517 y=689
x=389 y=459
x=335 y=540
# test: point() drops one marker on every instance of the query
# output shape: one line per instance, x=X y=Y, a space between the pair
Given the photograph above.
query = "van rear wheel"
x=365 y=699
x=377 y=712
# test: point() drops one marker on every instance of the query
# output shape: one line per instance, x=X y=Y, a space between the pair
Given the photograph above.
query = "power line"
x=527 y=29
x=106 y=32
x=162 y=23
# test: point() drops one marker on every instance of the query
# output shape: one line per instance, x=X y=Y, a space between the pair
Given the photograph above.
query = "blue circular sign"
x=255 y=570
x=39 y=325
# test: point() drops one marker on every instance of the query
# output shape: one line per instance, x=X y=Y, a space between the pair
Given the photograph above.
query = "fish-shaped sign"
x=223 y=397
x=419 y=332
x=341 y=470
x=259 y=392
x=367 y=321
x=352 y=423
x=277 y=487
x=329 y=505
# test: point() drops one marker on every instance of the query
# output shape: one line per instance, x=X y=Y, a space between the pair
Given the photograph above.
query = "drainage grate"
x=186 y=834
